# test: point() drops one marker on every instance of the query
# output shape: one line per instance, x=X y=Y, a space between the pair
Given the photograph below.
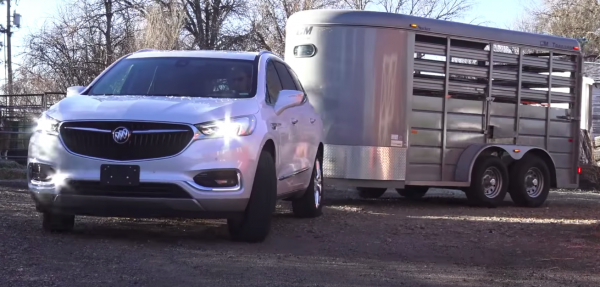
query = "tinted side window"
x=299 y=86
x=273 y=83
x=286 y=78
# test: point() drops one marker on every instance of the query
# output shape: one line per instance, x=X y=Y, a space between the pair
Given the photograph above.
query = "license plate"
x=123 y=175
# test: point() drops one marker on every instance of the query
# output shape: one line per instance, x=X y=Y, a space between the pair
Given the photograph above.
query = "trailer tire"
x=370 y=192
x=489 y=182
x=412 y=192
x=310 y=205
x=529 y=181
x=255 y=224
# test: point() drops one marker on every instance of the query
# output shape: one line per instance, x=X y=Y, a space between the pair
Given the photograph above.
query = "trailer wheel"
x=489 y=182
x=529 y=181
x=412 y=192
x=370 y=192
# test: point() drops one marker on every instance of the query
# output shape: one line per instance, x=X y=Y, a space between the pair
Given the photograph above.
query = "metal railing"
x=18 y=115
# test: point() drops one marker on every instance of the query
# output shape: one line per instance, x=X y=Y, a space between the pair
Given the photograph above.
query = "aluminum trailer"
x=409 y=103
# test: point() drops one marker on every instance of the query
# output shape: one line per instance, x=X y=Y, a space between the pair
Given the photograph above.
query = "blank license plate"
x=123 y=175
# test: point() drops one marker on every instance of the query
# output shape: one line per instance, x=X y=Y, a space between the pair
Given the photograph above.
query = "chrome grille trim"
x=194 y=130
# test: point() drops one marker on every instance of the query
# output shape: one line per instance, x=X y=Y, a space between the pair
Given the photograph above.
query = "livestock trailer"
x=411 y=103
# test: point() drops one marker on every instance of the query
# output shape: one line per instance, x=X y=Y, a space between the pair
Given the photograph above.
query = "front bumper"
x=178 y=172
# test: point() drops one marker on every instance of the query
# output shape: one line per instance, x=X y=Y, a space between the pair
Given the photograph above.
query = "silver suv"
x=200 y=134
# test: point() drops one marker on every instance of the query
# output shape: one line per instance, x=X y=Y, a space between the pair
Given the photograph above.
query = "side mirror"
x=287 y=99
x=76 y=90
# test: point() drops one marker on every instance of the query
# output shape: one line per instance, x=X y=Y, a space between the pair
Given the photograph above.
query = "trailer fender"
x=465 y=163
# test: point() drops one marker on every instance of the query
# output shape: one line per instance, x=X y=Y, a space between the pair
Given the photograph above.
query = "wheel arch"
x=545 y=156
x=269 y=146
x=321 y=151
x=464 y=166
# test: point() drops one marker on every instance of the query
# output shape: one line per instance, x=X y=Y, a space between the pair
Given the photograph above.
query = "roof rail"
x=145 y=50
x=265 y=52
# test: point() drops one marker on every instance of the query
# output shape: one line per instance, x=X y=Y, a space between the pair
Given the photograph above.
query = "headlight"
x=47 y=124
x=240 y=126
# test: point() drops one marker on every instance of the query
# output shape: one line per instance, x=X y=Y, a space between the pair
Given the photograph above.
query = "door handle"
x=275 y=125
x=294 y=121
x=312 y=120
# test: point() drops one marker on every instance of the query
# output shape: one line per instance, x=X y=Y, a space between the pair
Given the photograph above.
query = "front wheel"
x=255 y=224
x=310 y=204
x=529 y=182
x=489 y=182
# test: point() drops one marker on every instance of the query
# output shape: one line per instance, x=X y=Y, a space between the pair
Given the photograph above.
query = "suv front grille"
x=147 y=140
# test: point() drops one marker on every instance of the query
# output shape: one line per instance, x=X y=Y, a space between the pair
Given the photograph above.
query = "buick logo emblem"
x=121 y=135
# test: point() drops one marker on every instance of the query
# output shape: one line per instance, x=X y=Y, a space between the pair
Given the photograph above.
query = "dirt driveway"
x=438 y=241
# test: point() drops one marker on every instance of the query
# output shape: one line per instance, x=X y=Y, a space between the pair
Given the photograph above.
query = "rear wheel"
x=255 y=224
x=370 y=192
x=53 y=222
x=310 y=204
x=412 y=192
x=489 y=182
x=529 y=181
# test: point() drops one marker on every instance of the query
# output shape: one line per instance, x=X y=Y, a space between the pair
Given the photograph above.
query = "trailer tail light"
x=578 y=170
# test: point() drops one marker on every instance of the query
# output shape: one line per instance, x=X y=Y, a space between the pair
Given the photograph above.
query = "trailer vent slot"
x=305 y=51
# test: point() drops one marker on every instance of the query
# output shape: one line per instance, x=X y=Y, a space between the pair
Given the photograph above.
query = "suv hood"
x=151 y=108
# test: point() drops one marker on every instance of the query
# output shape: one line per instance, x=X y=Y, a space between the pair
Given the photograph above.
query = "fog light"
x=40 y=172
x=217 y=178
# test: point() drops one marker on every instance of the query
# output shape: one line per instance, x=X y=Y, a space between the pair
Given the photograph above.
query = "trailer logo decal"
x=305 y=31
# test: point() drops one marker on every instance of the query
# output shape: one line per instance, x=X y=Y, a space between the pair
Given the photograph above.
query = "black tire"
x=255 y=224
x=53 y=222
x=310 y=204
x=492 y=193
x=526 y=194
x=412 y=192
x=370 y=192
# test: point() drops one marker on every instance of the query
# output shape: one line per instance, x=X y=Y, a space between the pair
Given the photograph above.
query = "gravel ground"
x=438 y=241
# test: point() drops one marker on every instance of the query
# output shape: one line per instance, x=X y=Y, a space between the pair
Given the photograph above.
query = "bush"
x=10 y=164
x=13 y=173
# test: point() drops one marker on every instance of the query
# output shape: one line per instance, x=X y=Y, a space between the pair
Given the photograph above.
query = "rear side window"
x=292 y=76
x=273 y=83
x=286 y=79
x=299 y=86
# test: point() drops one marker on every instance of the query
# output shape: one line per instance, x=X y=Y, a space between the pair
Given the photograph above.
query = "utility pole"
x=8 y=49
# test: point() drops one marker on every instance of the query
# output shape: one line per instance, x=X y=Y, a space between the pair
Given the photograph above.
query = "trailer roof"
x=392 y=20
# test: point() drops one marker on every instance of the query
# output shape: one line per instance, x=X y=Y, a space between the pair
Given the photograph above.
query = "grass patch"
x=11 y=170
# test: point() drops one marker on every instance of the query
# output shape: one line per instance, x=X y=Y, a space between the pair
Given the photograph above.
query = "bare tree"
x=269 y=17
x=358 y=4
x=162 y=28
x=579 y=19
x=214 y=24
x=436 y=9
x=77 y=44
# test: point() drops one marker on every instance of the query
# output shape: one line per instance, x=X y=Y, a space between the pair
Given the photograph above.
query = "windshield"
x=186 y=77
